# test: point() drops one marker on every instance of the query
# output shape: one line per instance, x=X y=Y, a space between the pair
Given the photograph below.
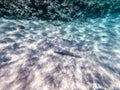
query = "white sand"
x=37 y=55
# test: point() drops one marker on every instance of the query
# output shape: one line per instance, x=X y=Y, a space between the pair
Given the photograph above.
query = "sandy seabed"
x=36 y=55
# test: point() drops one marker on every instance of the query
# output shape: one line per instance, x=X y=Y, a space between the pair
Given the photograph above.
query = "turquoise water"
x=93 y=45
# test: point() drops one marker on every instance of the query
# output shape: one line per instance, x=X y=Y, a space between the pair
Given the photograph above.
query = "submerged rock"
x=65 y=10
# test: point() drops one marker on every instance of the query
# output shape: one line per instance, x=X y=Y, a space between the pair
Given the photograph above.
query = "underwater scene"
x=59 y=44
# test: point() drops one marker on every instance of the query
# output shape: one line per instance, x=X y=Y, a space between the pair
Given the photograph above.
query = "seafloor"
x=40 y=55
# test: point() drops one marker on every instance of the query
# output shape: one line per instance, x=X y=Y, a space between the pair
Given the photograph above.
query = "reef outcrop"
x=65 y=10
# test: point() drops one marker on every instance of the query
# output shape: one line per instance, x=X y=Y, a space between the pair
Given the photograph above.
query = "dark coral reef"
x=65 y=10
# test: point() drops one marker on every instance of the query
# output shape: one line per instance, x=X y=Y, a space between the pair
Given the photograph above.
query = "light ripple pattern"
x=39 y=55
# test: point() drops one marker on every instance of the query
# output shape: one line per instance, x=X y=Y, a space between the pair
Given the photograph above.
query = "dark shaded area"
x=4 y=58
x=64 y=10
x=5 y=64
x=23 y=76
x=45 y=45
x=100 y=89
x=33 y=57
x=102 y=80
x=53 y=81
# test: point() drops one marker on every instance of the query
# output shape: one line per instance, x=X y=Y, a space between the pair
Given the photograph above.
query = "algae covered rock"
x=65 y=10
